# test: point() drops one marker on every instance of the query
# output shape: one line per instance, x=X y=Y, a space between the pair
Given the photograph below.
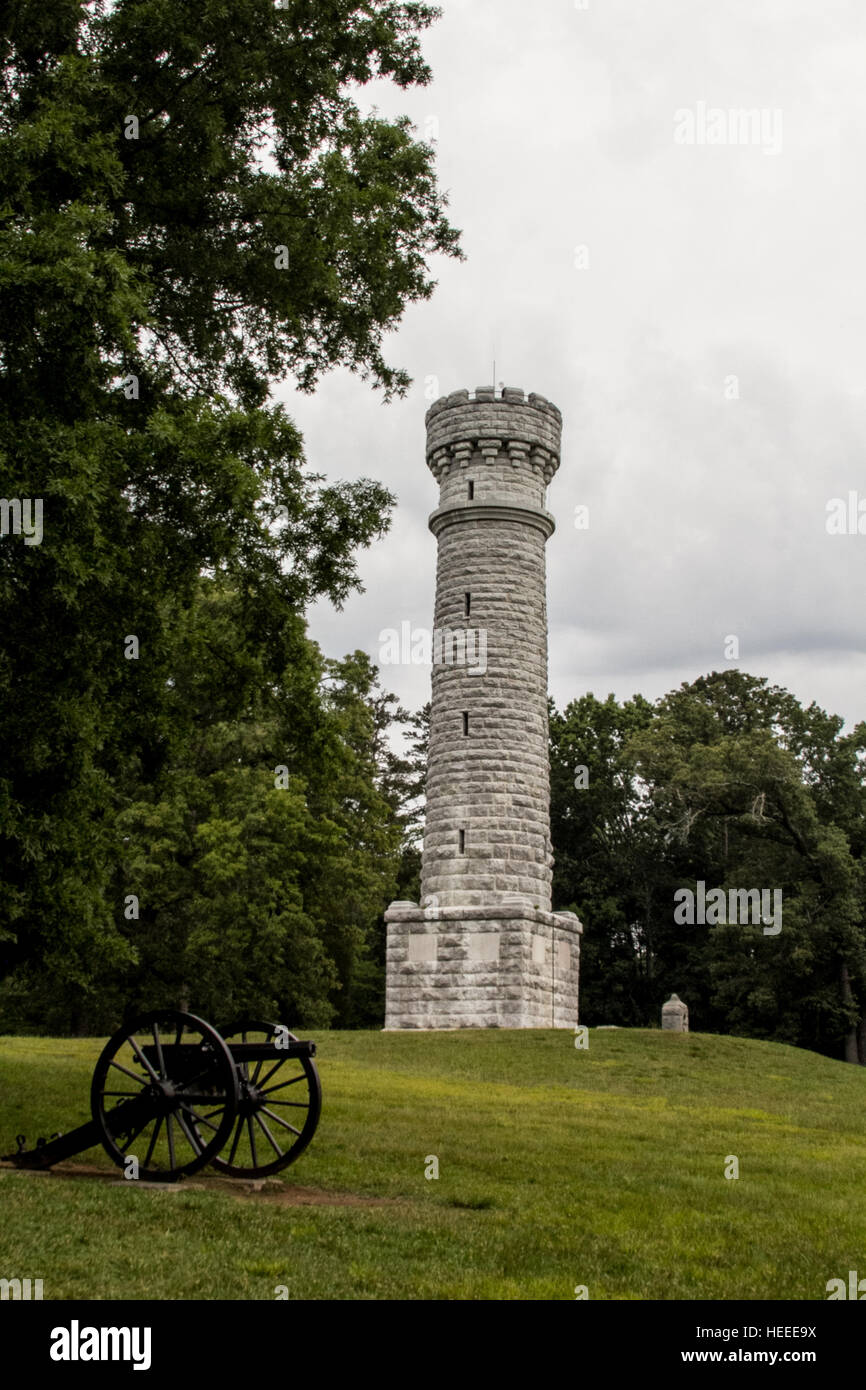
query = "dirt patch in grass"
x=261 y=1189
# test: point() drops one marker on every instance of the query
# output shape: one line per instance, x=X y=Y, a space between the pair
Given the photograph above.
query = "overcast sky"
x=707 y=346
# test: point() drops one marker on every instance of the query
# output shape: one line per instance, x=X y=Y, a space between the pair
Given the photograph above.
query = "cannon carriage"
x=170 y=1094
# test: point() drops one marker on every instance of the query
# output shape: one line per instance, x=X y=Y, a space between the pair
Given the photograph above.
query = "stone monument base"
x=504 y=966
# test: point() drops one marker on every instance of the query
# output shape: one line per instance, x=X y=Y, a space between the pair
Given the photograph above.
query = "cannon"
x=170 y=1094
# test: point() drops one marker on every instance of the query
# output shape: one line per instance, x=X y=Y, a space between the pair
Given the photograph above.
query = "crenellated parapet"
x=467 y=428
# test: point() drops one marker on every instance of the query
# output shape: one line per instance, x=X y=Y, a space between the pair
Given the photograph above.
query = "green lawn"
x=558 y=1168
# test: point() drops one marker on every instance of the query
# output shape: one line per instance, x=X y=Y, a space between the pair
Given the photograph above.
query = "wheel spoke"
x=155 y=1031
x=282 y=1085
x=170 y=1132
x=153 y=1140
x=139 y=1080
x=274 y=1068
x=235 y=1142
x=142 y=1059
x=257 y=1073
x=295 y=1104
x=195 y=1143
x=252 y=1141
x=200 y=1119
x=260 y=1122
x=280 y=1121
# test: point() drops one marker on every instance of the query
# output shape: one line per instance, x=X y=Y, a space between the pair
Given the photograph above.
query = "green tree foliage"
x=191 y=204
x=605 y=859
x=731 y=782
x=366 y=805
x=251 y=871
x=410 y=784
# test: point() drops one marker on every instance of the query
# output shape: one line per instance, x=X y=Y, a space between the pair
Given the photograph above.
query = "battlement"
x=468 y=426
x=512 y=395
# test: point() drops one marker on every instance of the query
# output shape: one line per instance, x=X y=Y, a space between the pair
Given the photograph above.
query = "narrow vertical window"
x=462 y=841
x=471 y=491
x=465 y=723
x=468 y=606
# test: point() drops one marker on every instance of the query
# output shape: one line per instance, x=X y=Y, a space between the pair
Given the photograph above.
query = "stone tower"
x=483 y=949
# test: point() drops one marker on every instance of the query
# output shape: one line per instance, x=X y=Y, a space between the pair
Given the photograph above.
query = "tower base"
x=504 y=966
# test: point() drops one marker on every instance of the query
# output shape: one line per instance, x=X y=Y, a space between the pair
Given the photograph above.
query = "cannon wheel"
x=185 y=1118
x=278 y=1108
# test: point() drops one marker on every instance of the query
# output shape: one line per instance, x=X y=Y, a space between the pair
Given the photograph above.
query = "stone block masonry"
x=487 y=967
x=483 y=948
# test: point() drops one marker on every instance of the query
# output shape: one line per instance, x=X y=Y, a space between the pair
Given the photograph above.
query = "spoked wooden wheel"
x=279 y=1103
x=165 y=1093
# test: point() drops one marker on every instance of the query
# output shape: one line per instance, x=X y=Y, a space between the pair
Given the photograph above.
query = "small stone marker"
x=675 y=1015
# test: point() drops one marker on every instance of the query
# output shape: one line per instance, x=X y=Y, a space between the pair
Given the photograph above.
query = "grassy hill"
x=557 y=1168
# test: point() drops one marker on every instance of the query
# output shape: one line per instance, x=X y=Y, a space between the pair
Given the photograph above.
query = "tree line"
x=729 y=782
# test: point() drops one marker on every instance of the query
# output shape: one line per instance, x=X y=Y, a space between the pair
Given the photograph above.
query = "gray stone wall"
x=496 y=967
x=491 y=782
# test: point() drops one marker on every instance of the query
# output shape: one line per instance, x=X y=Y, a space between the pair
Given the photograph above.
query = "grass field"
x=557 y=1168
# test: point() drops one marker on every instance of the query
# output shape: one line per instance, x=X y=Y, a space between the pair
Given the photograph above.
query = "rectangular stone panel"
x=422 y=946
x=484 y=945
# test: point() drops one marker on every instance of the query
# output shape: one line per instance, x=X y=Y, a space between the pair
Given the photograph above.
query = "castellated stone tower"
x=483 y=949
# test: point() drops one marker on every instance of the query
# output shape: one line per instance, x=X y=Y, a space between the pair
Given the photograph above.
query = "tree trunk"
x=852 y=1053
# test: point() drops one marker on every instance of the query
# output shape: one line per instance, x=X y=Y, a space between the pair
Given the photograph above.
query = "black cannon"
x=170 y=1094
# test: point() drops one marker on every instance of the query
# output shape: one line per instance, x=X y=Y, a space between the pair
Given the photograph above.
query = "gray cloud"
x=705 y=263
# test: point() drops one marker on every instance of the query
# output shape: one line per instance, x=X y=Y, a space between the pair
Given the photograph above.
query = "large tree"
x=191 y=205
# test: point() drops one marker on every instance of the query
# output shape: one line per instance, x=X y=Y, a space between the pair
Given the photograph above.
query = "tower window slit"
x=462 y=841
x=467 y=605
x=465 y=723
x=471 y=491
